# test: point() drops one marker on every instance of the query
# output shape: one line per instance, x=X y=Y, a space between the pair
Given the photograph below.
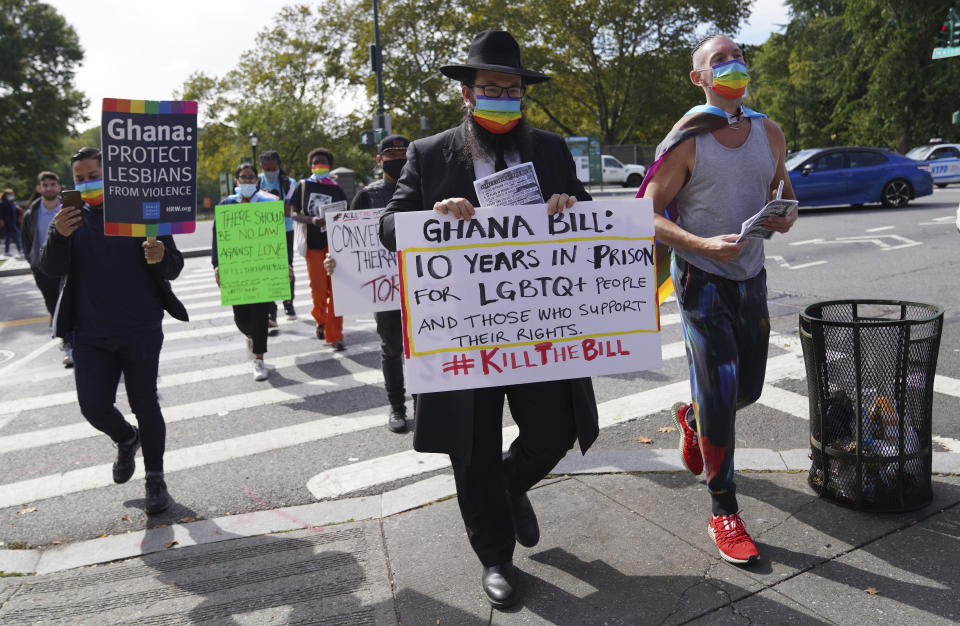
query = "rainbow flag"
x=703 y=118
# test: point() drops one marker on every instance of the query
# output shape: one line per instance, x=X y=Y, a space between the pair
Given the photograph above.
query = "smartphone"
x=71 y=199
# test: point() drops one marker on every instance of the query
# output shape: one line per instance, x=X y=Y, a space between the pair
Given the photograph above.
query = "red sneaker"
x=689 y=445
x=733 y=542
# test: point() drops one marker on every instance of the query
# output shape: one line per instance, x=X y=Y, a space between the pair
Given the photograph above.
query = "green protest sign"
x=252 y=253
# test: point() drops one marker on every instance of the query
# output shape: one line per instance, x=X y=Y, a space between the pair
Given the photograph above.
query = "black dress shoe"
x=500 y=584
x=525 y=525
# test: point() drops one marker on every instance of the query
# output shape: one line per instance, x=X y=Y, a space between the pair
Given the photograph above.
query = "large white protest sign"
x=365 y=279
x=514 y=295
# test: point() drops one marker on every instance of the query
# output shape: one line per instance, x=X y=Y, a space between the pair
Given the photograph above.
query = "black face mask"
x=393 y=167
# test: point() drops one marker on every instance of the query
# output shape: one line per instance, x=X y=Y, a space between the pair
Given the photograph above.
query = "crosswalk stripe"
x=34 y=489
x=785 y=401
x=946 y=386
x=189 y=377
x=212 y=406
x=337 y=481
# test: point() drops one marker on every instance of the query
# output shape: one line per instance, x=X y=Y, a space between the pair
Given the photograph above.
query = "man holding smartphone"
x=112 y=298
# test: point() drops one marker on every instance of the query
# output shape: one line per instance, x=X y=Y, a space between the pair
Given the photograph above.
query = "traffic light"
x=950 y=31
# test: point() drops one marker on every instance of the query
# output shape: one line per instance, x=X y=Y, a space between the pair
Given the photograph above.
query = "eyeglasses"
x=495 y=91
x=247 y=179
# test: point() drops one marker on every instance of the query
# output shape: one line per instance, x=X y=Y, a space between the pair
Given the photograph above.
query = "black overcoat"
x=436 y=170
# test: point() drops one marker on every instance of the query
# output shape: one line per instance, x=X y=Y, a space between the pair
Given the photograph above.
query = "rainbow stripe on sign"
x=150 y=107
x=149 y=230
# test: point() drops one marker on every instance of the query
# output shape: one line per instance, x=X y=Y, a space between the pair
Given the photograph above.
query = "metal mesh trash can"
x=870 y=368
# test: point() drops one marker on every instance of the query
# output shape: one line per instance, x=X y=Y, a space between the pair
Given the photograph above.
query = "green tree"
x=285 y=89
x=619 y=67
x=38 y=102
x=858 y=72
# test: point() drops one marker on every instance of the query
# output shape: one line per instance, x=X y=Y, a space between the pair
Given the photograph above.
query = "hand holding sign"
x=153 y=250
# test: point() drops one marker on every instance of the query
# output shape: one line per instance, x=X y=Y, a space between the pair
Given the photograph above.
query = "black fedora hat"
x=496 y=51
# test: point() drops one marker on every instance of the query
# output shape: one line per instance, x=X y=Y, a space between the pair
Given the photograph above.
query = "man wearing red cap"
x=467 y=424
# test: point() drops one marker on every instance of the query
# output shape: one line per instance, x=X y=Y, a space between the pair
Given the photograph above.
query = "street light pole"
x=254 y=140
x=378 y=65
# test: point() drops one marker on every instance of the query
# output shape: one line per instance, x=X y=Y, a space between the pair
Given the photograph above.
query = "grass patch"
x=18 y=545
x=4 y=574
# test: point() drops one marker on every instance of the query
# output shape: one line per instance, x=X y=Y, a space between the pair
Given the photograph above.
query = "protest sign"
x=515 y=296
x=252 y=252
x=149 y=167
x=365 y=279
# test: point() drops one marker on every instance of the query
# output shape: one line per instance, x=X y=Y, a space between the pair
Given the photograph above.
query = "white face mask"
x=246 y=189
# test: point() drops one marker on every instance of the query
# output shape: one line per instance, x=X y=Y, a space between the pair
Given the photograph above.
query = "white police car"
x=943 y=159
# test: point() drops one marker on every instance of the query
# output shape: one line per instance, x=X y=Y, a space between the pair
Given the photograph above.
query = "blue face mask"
x=246 y=190
x=271 y=177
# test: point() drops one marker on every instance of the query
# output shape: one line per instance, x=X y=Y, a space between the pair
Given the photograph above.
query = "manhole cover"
x=6 y=355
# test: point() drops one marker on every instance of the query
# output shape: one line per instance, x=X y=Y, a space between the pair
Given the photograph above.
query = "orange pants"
x=322 y=291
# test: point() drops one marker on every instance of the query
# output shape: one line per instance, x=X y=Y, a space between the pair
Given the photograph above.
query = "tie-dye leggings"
x=726 y=329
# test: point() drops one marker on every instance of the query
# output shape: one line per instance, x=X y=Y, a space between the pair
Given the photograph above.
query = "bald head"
x=707 y=47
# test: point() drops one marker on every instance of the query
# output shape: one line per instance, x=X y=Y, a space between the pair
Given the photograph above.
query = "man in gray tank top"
x=711 y=181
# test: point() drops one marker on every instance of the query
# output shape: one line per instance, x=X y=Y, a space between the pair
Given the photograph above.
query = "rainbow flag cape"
x=703 y=118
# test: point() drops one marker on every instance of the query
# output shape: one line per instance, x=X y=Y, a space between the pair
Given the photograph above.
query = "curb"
x=316 y=516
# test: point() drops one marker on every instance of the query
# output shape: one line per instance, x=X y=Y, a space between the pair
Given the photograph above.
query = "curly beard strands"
x=480 y=144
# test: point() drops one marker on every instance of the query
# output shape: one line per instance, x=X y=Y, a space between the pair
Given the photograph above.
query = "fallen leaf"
x=186 y=520
x=170 y=544
x=56 y=543
x=644 y=439
x=872 y=591
x=666 y=429
x=25 y=511
x=126 y=518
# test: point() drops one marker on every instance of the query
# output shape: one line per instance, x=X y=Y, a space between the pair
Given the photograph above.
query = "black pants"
x=544 y=414
x=98 y=363
x=49 y=287
x=273 y=305
x=390 y=329
x=251 y=319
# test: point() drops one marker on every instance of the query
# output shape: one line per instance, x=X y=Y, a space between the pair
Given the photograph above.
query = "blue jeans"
x=98 y=363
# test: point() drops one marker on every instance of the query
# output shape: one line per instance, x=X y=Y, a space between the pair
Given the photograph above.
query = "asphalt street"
x=316 y=429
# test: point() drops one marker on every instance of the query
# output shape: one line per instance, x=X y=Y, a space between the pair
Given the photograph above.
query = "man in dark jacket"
x=391 y=157
x=551 y=415
x=33 y=234
x=112 y=298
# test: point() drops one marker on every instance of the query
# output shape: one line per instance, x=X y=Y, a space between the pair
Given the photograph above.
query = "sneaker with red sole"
x=732 y=540
x=689 y=445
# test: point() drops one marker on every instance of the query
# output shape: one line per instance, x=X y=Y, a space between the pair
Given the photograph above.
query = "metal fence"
x=631 y=153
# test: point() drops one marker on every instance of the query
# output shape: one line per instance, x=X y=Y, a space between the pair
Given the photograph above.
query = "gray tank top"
x=727 y=186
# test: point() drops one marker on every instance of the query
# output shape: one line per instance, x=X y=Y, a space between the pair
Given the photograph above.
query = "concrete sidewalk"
x=615 y=548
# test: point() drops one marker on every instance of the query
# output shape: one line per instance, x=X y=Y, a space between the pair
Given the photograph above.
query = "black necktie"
x=501 y=163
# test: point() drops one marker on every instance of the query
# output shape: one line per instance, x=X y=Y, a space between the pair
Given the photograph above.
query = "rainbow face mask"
x=91 y=191
x=730 y=79
x=498 y=115
x=320 y=170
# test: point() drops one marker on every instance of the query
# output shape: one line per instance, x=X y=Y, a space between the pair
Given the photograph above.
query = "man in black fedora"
x=438 y=176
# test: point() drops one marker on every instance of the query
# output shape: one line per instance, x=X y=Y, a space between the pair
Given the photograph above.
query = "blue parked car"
x=849 y=175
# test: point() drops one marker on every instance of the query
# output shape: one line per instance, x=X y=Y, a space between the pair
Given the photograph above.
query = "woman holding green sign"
x=251 y=319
